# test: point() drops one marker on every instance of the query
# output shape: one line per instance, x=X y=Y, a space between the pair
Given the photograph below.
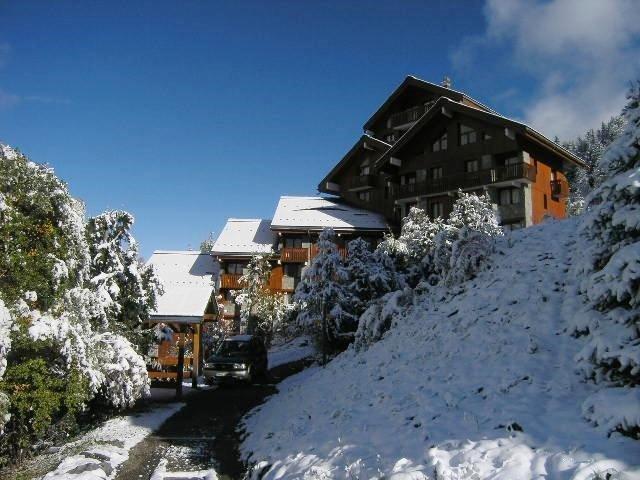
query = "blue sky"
x=186 y=113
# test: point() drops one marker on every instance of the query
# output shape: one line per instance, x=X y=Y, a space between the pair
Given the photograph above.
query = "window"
x=292 y=243
x=486 y=136
x=390 y=138
x=472 y=166
x=467 y=135
x=436 y=173
x=364 y=168
x=512 y=161
x=509 y=196
x=234 y=268
x=421 y=176
x=364 y=196
x=408 y=179
x=293 y=270
x=437 y=210
x=440 y=143
x=544 y=198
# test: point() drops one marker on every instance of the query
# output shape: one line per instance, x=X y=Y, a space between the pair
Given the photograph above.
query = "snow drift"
x=475 y=381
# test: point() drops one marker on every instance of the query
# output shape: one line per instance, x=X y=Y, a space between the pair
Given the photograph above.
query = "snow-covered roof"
x=316 y=213
x=188 y=281
x=245 y=236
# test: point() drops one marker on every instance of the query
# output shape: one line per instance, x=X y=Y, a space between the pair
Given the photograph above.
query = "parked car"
x=241 y=357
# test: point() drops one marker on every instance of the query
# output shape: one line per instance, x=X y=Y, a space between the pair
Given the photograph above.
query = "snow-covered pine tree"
x=590 y=148
x=127 y=287
x=320 y=295
x=611 y=265
x=370 y=274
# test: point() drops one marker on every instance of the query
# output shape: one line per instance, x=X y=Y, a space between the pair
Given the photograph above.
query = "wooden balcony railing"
x=408 y=116
x=228 y=280
x=468 y=180
x=559 y=189
x=362 y=182
x=301 y=255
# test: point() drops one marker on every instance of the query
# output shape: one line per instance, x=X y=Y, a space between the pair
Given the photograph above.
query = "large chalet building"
x=426 y=141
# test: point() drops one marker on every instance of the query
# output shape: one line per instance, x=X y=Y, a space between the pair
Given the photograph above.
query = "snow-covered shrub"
x=320 y=296
x=370 y=274
x=611 y=261
x=6 y=322
x=380 y=316
x=467 y=240
x=122 y=371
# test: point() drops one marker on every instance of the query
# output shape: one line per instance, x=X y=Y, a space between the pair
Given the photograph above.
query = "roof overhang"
x=185 y=319
x=411 y=81
x=445 y=106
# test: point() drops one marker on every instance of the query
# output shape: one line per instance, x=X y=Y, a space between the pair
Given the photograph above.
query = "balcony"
x=362 y=182
x=302 y=255
x=519 y=171
x=230 y=281
x=294 y=255
x=409 y=116
x=559 y=189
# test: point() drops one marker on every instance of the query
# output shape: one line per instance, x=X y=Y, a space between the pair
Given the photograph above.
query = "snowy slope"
x=478 y=382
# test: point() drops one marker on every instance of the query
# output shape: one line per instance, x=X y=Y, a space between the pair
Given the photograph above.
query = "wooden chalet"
x=186 y=308
x=426 y=141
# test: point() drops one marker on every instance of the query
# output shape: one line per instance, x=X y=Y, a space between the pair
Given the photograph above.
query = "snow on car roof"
x=188 y=281
x=316 y=213
x=244 y=236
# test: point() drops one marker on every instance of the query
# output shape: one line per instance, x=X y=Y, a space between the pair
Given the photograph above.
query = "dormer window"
x=440 y=144
x=467 y=135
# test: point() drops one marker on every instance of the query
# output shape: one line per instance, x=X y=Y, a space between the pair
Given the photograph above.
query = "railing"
x=408 y=116
x=301 y=255
x=559 y=189
x=294 y=255
x=468 y=180
x=363 y=181
x=228 y=280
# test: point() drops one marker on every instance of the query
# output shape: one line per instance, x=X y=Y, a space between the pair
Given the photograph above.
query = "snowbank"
x=475 y=382
x=297 y=349
x=109 y=445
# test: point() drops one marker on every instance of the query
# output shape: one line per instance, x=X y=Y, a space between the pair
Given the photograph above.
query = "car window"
x=229 y=348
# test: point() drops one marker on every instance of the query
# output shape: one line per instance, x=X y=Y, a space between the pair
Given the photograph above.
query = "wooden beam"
x=195 y=366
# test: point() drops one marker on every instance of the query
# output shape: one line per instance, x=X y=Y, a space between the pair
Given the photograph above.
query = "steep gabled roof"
x=444 y=102
x=244 y=236
x=188 y=280
x=316 y=213
x=437 y=90
x=363 y=142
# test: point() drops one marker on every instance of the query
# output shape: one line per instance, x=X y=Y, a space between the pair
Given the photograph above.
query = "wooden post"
x=195 y=363
x=180 y=366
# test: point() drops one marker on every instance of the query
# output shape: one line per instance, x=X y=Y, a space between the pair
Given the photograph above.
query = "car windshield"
x=229 y=348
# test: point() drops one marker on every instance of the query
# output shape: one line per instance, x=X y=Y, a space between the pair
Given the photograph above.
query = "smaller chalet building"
x=186 y=308
x=290 y=242
x=426 y=141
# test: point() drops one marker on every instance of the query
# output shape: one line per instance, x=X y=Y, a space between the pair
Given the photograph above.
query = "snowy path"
x=202 y=438
x=475 y=382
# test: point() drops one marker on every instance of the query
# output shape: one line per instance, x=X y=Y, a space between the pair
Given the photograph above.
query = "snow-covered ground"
x=476 y=382
x=161 y=473
x=297 y=349
x=106 y=447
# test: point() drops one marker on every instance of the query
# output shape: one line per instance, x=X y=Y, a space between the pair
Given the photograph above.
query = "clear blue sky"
x=186 y=113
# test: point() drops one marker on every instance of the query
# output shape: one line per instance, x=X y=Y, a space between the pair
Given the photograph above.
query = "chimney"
x=446 y=82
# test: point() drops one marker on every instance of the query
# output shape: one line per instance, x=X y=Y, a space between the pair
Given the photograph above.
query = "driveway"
x=203 y=434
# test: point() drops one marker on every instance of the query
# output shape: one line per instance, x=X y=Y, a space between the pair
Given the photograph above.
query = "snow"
x=108 y=445
x=474 y=381
x=160 y=473
x=316 y=213
x=297 y=349
x=245 y=236
x=188 y=281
